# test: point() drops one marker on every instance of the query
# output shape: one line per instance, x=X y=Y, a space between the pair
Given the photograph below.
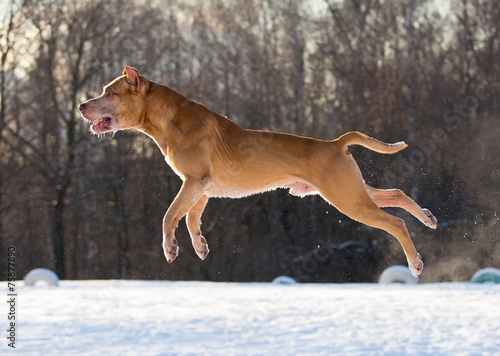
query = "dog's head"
x=119 y=107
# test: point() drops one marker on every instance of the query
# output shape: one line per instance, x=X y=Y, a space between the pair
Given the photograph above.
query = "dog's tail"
x=357 y=138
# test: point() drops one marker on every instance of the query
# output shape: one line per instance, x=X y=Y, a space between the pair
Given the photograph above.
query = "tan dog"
x=217 y=158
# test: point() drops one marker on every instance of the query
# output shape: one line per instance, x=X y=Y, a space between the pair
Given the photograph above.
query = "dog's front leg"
x=193 y=220
x=191 y=191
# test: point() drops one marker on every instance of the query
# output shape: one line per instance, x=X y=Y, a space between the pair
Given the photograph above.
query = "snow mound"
x=397 y=274
x=487 y=275
x=284 y=280
x=41 y=275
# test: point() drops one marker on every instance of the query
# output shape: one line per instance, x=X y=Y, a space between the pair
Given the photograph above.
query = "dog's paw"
x=416 y=265
x=203 y=253
x=431 y=220
x=171 y=252
x=201 y=248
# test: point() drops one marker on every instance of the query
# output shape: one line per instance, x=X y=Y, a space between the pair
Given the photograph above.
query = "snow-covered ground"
x=203 y=318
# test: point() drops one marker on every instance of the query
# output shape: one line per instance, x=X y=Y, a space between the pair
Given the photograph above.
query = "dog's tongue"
x=99 y=127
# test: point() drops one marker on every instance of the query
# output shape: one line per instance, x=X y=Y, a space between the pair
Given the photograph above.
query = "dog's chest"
x=174 y=168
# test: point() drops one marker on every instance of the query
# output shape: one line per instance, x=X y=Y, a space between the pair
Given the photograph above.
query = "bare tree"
x=6 y=45
x=74 y=47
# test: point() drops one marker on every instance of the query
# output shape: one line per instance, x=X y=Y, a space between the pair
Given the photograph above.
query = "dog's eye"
x=108 y=93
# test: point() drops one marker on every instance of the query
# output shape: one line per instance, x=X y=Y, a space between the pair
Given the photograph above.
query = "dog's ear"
x=134 y=78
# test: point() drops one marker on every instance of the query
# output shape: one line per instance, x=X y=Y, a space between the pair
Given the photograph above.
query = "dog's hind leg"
x=347 y=193
x=191 y=191
x=364 y=210
x=193 y=219
x=396 y=198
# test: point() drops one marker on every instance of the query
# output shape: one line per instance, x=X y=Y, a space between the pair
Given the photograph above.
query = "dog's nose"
x=82 y=106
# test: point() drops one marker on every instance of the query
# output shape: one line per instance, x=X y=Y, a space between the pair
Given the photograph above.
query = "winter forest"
x=88 y=207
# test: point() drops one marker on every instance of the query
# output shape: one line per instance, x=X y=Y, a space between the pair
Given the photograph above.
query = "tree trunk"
x=58 y=235
x=410 y=83
x=5 y=51
x=122 y=212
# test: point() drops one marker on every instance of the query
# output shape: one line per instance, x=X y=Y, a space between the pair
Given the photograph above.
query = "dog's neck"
x=171 y=122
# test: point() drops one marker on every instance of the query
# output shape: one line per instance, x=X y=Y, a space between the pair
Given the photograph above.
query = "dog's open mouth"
x=102 y=125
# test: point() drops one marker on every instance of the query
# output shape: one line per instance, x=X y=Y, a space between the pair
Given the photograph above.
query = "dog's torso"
x=234 y=162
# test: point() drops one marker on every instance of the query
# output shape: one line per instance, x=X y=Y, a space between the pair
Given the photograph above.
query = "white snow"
x=202 y=318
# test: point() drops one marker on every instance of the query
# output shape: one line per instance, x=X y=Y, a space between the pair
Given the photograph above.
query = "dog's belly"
x=232 y=191
x=297 y=187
